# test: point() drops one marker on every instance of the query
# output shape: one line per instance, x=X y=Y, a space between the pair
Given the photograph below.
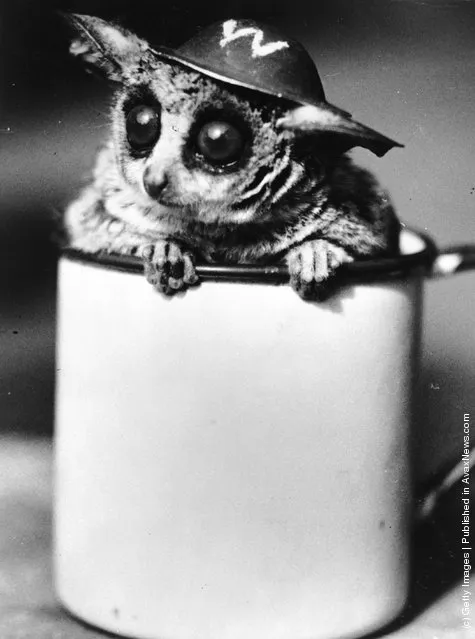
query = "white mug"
x=234 y=464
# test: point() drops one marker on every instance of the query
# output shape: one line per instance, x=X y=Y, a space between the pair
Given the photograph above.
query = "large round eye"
x=143 y=127
x=220 y=142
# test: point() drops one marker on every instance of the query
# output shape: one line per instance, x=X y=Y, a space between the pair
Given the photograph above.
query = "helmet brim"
x=236 y=79
x=342 y=121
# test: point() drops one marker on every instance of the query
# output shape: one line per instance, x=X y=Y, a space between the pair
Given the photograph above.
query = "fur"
x=293 y=195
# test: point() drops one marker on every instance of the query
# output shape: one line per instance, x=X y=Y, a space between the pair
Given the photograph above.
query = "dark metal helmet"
x=254 y=56
x=251 y=55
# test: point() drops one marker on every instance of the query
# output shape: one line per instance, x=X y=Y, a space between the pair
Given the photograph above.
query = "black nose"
x=154 y=183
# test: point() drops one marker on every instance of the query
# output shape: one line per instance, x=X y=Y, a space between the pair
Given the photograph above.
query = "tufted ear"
x=113 y=49
x=312 y=119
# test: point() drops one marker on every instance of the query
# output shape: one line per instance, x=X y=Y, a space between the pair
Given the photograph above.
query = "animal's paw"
x=312 y=267
x=169 y=267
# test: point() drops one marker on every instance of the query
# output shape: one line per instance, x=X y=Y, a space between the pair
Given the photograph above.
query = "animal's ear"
x=329 y=120
x=111 y=48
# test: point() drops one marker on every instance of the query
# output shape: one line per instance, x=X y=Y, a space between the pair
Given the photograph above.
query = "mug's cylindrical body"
x=232 y=464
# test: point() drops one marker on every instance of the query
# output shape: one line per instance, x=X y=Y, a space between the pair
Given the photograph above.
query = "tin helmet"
x=252 y=55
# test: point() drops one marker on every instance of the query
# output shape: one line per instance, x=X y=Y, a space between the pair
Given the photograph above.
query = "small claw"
x=336 y=257
x=147 y=252
x=189 y=273
x=151 y=275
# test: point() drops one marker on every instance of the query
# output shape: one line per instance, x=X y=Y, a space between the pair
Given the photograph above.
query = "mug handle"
x=448 y=261
x=451 y=260
x=428 y=495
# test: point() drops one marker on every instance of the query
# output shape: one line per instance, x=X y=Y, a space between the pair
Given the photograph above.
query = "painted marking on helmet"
x=230 y=33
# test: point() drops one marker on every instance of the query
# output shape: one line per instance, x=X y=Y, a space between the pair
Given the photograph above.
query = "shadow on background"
x=405 y=68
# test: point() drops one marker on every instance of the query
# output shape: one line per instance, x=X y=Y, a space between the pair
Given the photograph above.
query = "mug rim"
x=360 y=271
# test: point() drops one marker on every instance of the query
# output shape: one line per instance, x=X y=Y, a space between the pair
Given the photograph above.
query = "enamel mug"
x=234 y=464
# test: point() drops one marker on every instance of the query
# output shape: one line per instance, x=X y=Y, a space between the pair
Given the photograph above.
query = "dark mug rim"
x=360 y=271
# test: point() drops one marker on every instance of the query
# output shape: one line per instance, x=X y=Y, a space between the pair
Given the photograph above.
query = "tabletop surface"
x=29 y=610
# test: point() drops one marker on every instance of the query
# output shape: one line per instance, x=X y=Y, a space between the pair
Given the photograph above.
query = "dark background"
x=405 y=68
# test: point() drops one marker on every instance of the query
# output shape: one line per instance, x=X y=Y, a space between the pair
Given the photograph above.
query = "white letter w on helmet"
x=258 y=49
